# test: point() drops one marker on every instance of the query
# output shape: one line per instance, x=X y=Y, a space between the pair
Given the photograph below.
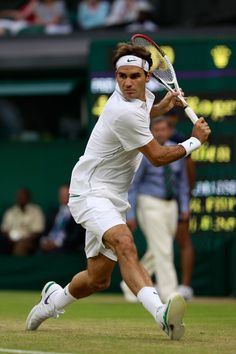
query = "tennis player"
x=99 y=190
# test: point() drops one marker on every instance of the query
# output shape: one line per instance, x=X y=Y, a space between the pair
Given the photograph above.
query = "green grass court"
x=106 y=324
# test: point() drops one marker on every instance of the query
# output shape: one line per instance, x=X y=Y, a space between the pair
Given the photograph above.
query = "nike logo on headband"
x=132 y=60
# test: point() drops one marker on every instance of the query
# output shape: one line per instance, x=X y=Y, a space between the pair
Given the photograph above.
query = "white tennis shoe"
x=170 y=318
x=45 y=308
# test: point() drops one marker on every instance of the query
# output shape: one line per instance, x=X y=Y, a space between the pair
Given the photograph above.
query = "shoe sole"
x=35 y=307
x=29 y=318
x=175 y=313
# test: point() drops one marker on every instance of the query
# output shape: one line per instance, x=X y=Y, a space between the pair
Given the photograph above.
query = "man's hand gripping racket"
x=163 y=70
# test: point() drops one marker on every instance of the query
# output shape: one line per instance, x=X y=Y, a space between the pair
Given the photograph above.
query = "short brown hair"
x=131 y=49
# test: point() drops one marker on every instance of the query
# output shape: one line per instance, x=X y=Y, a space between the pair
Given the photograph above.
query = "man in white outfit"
x=153 y=197
x=99 y=194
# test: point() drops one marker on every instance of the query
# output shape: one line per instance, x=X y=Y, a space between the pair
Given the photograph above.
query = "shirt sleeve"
x=6 y=222
x=134 y=188
x=183 y=188
x=132 y=130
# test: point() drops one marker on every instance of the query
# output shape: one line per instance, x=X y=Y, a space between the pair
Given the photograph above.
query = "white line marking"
x=19 y=351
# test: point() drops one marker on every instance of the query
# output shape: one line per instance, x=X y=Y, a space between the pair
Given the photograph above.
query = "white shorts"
x=96 y=215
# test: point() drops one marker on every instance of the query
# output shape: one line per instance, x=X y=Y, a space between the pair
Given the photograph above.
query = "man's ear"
x=148 y=76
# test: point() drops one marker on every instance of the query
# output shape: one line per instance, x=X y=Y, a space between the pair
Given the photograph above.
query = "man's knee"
x=120 y=240
x=125 y=247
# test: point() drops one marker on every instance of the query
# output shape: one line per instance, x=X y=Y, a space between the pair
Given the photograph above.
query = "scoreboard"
x=206 y=71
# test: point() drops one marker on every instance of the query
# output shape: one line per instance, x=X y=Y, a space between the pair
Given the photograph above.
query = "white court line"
x=19 y=351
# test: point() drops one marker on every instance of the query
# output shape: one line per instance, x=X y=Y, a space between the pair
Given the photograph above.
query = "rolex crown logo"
x=221 y=55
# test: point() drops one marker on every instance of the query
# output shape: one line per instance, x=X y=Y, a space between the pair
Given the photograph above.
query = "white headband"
x=132 y=60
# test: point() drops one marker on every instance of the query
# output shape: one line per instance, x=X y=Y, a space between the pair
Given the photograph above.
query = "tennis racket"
x=163 y=70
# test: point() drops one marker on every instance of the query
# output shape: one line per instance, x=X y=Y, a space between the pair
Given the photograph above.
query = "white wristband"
x=190 y=145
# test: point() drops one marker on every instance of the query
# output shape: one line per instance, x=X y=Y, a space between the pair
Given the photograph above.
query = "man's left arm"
x=166 y=104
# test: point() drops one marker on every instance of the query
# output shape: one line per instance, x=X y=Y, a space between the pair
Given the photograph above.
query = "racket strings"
x=160 y=67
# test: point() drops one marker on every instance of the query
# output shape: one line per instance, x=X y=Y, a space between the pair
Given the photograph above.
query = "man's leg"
x=187 y=254
x=55 y=298
x=154 y=219
x=187 y=258
x=95 y=278
x=148 y=263
x=120 y=240
x=24 y=247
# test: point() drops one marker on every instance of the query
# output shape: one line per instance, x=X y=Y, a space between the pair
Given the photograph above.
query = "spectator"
x=51 y=14
x=64 y=235
x=11 y=120
x=154 y=191
x=92 y=13
x=13 y=21
x=22 y=225
x=123 y=12
x=144 y=22
x=182 y=235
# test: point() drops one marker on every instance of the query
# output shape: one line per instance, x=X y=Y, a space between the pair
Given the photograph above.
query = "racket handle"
x=190 y=113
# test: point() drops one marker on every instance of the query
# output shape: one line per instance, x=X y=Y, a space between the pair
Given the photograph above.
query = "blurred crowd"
x=57 y=17
x=26 y=230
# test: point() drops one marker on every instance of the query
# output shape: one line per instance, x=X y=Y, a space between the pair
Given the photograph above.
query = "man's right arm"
x=160 y=155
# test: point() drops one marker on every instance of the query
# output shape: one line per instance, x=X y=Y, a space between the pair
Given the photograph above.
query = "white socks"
x=148 y=296
x=62 y=298
x=150 y=299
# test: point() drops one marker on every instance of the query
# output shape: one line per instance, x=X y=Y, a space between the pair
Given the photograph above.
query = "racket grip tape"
x=190 y=113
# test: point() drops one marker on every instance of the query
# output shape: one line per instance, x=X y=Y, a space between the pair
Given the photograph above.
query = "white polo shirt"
x=111 y=156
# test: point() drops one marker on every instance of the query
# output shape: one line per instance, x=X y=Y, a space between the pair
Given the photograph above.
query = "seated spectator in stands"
x=49 y=15
x=123 y=12
x=13 y=21
x=63 y=234
x=52 y=15
x=22 y=225
x=11 y=120
x=92 y=13
x=144 y=22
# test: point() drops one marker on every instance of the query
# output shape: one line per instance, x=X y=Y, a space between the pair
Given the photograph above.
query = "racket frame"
x=188 y=110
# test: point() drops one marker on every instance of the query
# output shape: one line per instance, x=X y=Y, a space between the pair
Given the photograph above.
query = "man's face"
x=161 y=132
x=172 y=120
x=22 y=198
x=132 y=82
